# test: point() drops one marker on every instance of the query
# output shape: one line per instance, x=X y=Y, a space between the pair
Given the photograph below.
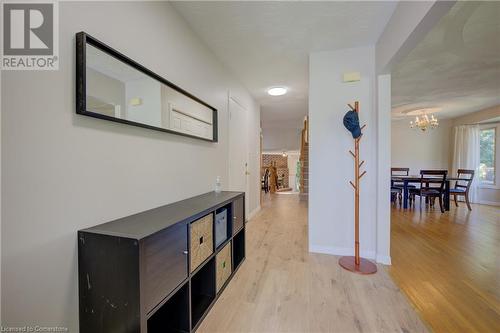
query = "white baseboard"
x=339 y=251
x=385 y=260
x=254 y=212
x=345 y=251
x=489 y=203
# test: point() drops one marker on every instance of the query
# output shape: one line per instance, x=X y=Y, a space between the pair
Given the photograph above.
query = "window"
x=487 y=155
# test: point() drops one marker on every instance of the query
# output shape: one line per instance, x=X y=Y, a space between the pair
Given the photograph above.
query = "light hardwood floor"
x=449 y=266
x=281 y=287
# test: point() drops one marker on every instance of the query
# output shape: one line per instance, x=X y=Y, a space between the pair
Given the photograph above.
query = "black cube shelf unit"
x=159 y=270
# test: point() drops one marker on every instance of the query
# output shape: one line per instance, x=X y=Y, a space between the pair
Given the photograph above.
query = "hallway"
x=281 y=287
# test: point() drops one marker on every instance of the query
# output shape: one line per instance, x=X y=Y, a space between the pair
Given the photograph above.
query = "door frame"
x=234 y=99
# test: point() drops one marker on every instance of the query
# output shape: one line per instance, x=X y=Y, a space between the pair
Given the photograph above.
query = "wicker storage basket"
x=223 y=265
x=202 y=241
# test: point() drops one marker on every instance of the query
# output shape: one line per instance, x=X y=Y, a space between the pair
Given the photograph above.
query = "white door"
x=238 y=150
x=293 y=158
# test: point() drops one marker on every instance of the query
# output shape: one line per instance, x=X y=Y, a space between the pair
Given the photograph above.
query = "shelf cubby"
x=238 y=248
x=165 y=265
x=219 y=242
x=173 y=315
x=202 y=291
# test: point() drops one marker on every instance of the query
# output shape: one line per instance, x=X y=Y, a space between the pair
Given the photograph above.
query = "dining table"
x=416 y=179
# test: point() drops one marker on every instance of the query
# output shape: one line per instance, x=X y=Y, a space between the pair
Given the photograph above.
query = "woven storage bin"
x=202 y=241
x=223 y=265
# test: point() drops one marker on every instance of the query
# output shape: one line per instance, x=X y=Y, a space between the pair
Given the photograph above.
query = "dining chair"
x=397 y=187
x=430 y=190
x=395 y=193
x=462 y=186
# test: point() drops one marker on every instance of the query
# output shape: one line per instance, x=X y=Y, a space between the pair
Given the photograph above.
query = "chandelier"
x=424 y=122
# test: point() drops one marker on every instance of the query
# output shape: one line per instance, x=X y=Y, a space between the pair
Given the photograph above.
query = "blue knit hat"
x=351 y=122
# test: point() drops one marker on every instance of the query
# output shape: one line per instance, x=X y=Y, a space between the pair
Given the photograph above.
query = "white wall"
x=1 y=190
x=277 y=138
x=254 y=161
x=417 y=150
x=62 y=172
x=331 y=198
x=409 y=24
x=489 y=194
x=383 y=169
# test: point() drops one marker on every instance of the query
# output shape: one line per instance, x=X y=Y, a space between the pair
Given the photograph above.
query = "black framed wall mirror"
x=111 y=86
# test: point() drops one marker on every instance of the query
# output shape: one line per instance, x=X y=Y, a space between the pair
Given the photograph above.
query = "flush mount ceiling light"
x=277 y=91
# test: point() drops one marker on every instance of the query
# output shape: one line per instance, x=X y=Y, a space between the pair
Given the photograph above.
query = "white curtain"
x=466 y=153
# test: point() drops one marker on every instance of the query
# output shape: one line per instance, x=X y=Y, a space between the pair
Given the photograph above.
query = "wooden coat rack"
x=357 y=264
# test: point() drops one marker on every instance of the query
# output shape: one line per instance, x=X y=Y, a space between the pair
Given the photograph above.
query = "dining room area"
x=430 y=185
x=444 y=184
x=445 y=218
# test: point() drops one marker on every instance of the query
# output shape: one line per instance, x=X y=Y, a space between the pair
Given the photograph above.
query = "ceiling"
x=456 y=67
x=267 y=44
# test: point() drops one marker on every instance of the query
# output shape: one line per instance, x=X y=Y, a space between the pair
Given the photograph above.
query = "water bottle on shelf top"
x=218 y=186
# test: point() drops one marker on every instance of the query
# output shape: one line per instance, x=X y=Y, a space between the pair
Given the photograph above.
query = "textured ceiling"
x=456 y=68
x=268 y=43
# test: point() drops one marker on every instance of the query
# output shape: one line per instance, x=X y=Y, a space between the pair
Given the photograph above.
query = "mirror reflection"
x=118 y=90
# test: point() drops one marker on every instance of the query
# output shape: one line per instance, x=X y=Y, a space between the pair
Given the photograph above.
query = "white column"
x=331 y=198
x=383 y=169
